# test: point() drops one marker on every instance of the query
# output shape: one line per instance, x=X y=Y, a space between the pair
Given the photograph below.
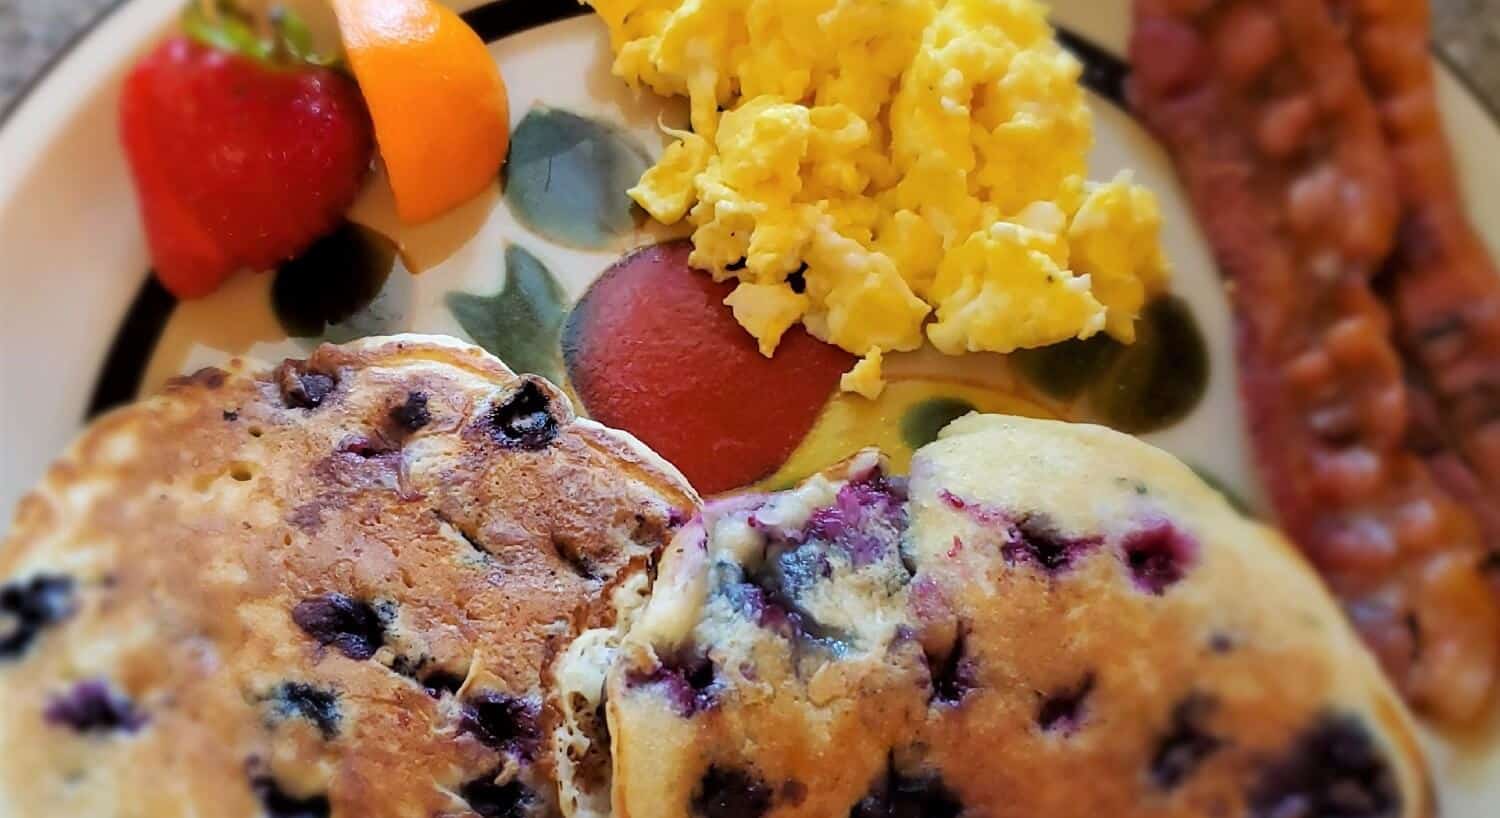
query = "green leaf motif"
x=342 y=288
x=1159 y=379
x=520 y=324
x=566 y=177
x=921 y=424
x=1065 y=369
x=1148 y=385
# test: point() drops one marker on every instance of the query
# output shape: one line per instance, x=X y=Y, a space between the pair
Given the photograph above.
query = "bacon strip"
x=1261 y=105
x=1430 y=440
x=1445 y=289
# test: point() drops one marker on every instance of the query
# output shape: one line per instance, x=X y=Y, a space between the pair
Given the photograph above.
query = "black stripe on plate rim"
x=130 y=354
x=1103 y=72
x=500 y=19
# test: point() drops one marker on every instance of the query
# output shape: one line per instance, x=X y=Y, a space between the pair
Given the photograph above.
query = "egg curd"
x=881 y=169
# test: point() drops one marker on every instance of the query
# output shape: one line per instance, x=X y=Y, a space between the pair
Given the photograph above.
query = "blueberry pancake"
x=328 y=588
x=1045 y=620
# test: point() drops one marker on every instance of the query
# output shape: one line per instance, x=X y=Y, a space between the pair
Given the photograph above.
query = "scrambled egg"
x=865 y=378
x=887 y=170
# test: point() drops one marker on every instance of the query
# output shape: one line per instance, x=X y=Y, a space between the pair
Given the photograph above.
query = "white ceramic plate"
x=80 y=330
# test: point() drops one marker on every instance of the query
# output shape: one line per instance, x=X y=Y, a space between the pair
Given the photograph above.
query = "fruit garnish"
x=223 y=26
x=245 y=148
x=441 y=114
x=715 y=407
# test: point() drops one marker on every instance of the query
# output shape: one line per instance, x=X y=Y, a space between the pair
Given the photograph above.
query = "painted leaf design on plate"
x=1160 y=378
x=1136 y=388
x=1063 y=370
x=567 y=175
x=922 y=422
x=341 y=288
x=522 y=322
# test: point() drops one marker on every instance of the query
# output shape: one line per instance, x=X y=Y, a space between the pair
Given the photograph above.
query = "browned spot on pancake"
x=207 y=377
x=309 y=516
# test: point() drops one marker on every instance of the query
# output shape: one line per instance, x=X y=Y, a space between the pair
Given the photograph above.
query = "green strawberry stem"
x=281 y=39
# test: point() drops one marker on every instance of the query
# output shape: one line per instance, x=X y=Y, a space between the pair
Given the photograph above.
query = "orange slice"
x=437 y=99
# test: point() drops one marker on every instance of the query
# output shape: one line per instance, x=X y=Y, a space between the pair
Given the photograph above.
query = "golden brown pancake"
x=328 y=588
x=1045 y=620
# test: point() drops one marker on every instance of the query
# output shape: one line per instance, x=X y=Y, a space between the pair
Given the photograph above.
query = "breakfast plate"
x=542 y=270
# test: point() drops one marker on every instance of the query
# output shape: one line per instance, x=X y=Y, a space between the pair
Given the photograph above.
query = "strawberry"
x=243 y=151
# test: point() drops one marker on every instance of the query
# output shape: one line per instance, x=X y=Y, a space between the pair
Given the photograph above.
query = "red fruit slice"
x=188 y=261
x=652 y=349
x=238 y=163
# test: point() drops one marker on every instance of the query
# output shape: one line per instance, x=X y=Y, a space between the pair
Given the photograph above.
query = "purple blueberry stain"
x=503 y=722
x=1333 y=770
x=412 y=414
x=340 y=621
x=800 y=569
x=767 y=599
x=277 y=803
x=1186 y=743
x=978 y=512
x=28 y=607
x=750 y=601
x=866 y=519
x=490 y=799
x=900 y=796
x=316 y=705
x=955 y=674
x=524 y=419
x=688 y=682
x=1034 y=539
x=1158 y=555
x=1062 y=712
x=726 y=792
x=94 y=707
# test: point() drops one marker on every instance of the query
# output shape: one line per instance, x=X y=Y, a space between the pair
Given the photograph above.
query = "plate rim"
x=75 y=41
